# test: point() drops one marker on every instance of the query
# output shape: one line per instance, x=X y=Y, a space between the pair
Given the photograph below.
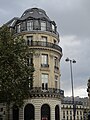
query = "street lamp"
x=74 y=107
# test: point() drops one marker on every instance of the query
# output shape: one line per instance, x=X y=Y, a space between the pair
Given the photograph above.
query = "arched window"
x=15 y=113
x=29 y=112
x=45 y=112
x=57 y=113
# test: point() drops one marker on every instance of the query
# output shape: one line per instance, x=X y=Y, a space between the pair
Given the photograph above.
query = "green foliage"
x=14 y=72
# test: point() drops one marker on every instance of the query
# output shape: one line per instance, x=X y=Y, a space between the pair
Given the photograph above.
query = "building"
x=88 y=90
x=81 y=111
x=40 y=33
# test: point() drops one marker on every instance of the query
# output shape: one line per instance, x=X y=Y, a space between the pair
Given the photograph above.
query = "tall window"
x=30 y=60
x=53 y=27
x=18 y=28
x=44 y=60
x=56 y=61
x=36 y=25
x=29 y=40
x=57 y=113
x=29 y=25
x=45 y=112
x=43 y=26
x=44 y=78
x=29 y=112
x=56 y=81
x=44 y=40
x=64 y=114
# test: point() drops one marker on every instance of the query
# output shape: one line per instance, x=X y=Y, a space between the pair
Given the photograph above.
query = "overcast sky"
x=73 y=21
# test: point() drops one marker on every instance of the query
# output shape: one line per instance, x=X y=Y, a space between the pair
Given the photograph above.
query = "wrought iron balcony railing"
x=38 y=91
x=45 y=44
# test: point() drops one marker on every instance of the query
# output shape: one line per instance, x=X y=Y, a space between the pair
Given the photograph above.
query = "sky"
x=73 y=22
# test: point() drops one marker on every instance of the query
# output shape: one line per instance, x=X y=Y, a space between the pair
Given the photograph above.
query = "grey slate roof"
x=35 y=13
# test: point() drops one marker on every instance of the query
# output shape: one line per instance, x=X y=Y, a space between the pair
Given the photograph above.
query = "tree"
x=15 y=75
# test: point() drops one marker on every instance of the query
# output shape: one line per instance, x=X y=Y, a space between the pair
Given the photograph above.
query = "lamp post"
x=74 y=107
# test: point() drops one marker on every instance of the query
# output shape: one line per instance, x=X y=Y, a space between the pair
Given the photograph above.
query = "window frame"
x=44 y=79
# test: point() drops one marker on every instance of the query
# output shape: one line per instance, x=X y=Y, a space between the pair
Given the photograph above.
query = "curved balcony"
x=45 y=44
x=50 y=92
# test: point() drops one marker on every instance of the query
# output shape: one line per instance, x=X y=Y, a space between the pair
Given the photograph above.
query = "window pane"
x=43 y=26
x=44 y=78
x=56 y=81
x=44 y=59
x=56 y=61
x=29 y=25
x=36 y=25
x=53 y=27
x=29 y=40
x=18 y=28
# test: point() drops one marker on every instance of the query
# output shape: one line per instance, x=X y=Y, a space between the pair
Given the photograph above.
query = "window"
x=18 y=28
x=56 y=61
x=29 y=25
x=23 y=26
x=1 y=109
x=77 y=112
x=44 y=78
x=29 y=40
x=80 y=112
x=53 y=27
x=70 y=112
x=70 y=117
x=56 y=81
x=55 y=42
x=44 y=40
x=64 y=114
x=36 y=25
x=44 y=60
x=43 y=26
x=29 y=61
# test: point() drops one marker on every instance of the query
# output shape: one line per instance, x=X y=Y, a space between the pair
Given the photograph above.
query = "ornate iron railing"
x=45 y=44
x=38 y=91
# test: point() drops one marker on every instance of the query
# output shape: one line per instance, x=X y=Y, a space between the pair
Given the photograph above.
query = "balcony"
x=44 y=65
x=50 y=92
x=45 y=44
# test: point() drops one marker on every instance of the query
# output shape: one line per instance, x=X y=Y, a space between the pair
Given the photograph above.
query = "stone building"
x=40 y=33
x=88 y=90
x=81 y=111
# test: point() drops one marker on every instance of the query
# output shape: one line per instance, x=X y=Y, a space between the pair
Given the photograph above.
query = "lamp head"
x=67 y=59
x=74 y=61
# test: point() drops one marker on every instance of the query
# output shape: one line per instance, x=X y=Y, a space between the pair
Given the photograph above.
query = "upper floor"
x=33 y=20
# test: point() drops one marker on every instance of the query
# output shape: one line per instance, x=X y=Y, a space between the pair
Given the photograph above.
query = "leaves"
x=14 y=72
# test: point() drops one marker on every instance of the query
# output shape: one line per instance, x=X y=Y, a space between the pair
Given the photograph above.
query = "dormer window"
x=18 y=28
x=29 y=25
x=43 y=25
x=40 y=12
x=36 y=25
x=53 y=28
x=31 y=12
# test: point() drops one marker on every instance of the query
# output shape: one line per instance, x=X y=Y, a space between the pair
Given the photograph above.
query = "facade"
x=88 y=90
x=67 y=111
x=40 y=33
